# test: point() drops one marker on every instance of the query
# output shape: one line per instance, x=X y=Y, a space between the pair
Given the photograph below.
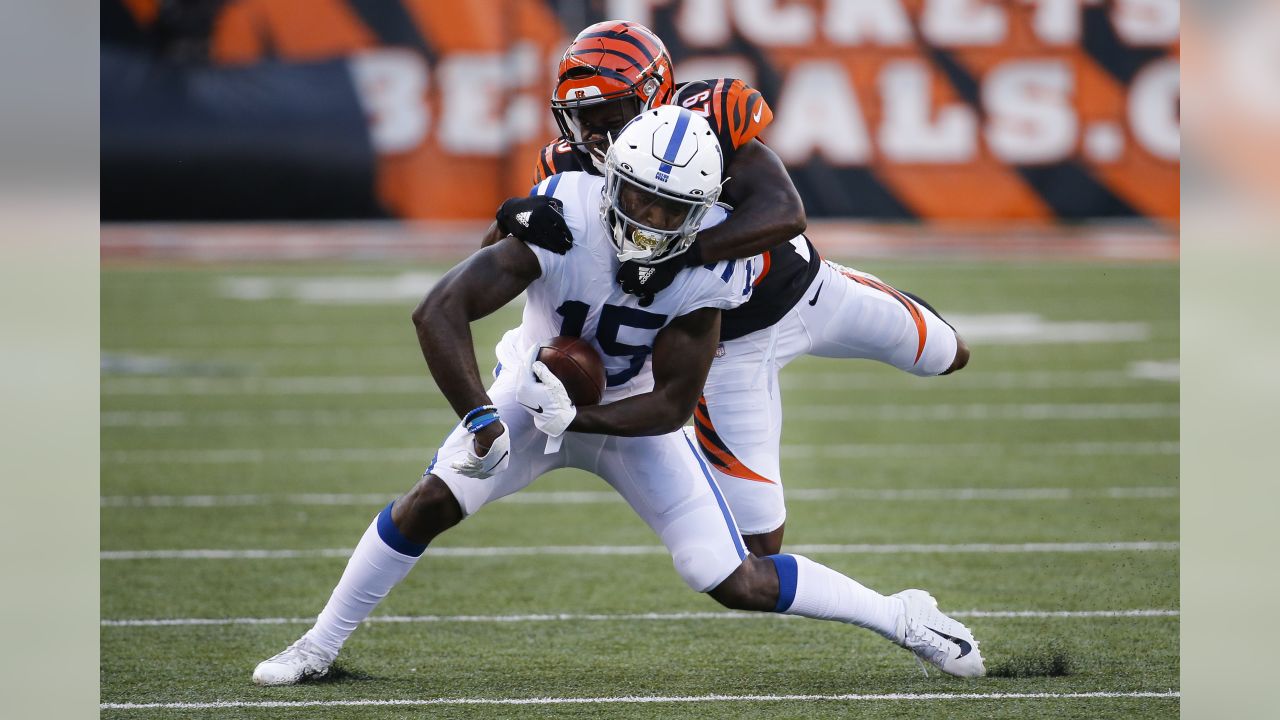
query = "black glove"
x=646 y=281
x=537 y=220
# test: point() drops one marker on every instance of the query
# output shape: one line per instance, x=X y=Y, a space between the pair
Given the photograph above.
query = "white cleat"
x=299 y=662
x=937 y=639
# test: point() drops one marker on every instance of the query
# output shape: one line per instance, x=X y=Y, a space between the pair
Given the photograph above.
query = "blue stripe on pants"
x=724 y=509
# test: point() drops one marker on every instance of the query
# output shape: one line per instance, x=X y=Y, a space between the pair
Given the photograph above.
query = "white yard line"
x=915 y=450
x=332 y=290
x=591 y=497
x=1142 y=374
x=987 y=412
x=1139 y=375
x=810 y=412
x=275 y=418
x=1159 y=370
x=587 y=550
x=832 y=450
x=256 y=385
x=258 y=455
x=624 y=617
x=1033 y=329
x=1065 y=614
x=630 y=700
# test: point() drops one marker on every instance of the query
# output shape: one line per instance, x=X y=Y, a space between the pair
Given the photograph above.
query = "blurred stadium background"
x=282 y=179
x=947 y=111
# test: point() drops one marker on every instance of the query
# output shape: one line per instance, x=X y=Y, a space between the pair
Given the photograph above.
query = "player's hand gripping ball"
x=546 y=393
x=577 y=366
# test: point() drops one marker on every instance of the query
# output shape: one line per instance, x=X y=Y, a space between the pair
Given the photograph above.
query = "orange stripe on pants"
x=922 y=328
x=727 y=462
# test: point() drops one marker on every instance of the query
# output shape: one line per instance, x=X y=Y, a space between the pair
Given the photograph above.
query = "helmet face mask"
x=589 y=126
x=651 y=209
x=662 y=175
x=649 y=226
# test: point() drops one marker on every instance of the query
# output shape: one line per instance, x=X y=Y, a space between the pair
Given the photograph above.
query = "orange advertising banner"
x=939 y=110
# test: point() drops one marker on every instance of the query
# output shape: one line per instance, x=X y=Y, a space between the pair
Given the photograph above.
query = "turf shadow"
x=1050 y=661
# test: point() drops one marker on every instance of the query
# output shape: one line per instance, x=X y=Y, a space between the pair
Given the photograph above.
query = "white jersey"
x=577 y=294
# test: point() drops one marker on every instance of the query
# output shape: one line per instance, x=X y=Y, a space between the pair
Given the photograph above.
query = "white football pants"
x=844 y=314
x=663 y=478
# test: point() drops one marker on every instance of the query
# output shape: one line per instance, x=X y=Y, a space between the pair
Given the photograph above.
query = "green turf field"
x=277 y=408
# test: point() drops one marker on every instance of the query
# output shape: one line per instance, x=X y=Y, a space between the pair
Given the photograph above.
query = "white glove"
x=492 y=462
x=543 y=395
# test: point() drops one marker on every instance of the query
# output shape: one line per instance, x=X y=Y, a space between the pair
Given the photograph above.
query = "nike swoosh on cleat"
x=759 y=111
x=818 y=292
x=964 y=645
x=539 y=411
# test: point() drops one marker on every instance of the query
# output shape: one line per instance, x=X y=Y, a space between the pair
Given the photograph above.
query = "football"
x=577 y=365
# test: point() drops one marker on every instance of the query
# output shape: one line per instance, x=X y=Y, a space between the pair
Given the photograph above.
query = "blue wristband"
x=480 y=418
x=482 y=422
x=478 y=412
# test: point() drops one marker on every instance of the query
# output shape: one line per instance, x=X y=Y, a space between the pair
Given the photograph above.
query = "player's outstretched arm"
x=474 y=288
x=682 y=355
x=767 y=208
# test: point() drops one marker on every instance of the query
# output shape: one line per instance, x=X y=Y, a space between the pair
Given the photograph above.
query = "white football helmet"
x=662 y=174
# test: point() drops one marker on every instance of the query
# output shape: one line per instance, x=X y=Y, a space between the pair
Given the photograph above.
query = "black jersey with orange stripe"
x=737 y=112
x=559 y=156
x=788 y=271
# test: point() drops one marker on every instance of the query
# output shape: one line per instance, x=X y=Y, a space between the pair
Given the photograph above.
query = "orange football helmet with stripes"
x=610 y=73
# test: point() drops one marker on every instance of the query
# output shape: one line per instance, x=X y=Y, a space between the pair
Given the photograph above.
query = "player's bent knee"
x=752 y=586
x=427 y=510
x=962 y=357
x=702 y=568
x=764 y=544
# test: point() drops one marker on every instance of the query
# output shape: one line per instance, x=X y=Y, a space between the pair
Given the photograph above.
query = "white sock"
x=811 y=590
x=375 y=567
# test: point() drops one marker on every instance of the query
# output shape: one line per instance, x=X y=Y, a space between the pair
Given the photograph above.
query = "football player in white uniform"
x=662 y=182
x=801 y=304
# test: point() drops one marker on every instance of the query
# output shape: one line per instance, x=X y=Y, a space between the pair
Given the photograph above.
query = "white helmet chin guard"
x=662 y=174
